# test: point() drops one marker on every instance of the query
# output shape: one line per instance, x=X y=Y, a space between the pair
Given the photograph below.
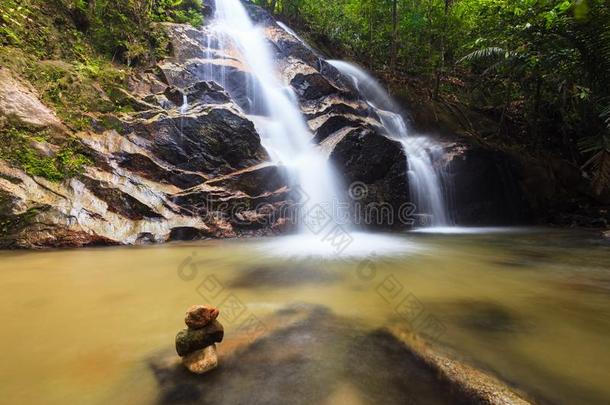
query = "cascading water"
x=294 y=34
x=274 y=109
x=185 y=104
x=283 y=132
x=424 y=180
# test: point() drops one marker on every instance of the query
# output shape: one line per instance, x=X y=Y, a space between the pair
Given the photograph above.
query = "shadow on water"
x=323 y=358
x=288 y=275
x=487 y=318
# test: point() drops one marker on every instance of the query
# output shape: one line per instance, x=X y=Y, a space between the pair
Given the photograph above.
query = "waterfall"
x=284 y=133
x=424 y=179
x=185 y=104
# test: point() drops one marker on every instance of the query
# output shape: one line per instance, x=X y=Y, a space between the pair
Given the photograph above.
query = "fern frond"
x=605 y=115
x=601 y=171
x=489 y=53
x=599 y=163
x=594 y=144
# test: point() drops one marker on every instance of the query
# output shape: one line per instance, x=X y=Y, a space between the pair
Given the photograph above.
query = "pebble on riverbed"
x=196 y=344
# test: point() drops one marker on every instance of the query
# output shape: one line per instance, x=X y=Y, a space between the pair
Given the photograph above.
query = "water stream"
x=185 y=104
x=425 y=180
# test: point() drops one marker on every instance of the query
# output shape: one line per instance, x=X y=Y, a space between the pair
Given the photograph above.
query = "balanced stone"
x=189 y=340
x=201 y=360
x=199 y=316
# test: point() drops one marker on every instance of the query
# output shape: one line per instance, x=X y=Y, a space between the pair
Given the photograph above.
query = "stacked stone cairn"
x=196 y=344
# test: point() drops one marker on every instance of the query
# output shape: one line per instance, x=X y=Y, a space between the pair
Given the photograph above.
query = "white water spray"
x=284 y=133
x=424 y=179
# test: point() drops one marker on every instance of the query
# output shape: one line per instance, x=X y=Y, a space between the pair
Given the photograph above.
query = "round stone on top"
x=199 y=316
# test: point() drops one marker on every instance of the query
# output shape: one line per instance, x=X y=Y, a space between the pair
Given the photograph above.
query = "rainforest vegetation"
x=541 y=68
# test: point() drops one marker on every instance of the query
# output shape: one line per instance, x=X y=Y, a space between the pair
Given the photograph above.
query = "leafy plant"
x=599 y=148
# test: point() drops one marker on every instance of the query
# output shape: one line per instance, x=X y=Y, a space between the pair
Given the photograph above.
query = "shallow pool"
x=531 y=306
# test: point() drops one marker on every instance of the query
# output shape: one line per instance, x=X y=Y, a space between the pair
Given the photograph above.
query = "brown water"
x=530 y=306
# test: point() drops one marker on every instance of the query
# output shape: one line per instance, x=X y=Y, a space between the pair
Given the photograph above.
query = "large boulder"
x=375 y=171
x=486 y=188
x=212 y=140
x=492 y=186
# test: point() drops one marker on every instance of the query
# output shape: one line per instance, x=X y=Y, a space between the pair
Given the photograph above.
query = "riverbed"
x=530 y=306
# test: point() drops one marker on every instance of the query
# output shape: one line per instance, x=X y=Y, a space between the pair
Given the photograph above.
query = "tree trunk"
x=394 y=34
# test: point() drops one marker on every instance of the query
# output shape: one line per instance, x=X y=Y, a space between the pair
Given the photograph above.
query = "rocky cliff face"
x=168 y=171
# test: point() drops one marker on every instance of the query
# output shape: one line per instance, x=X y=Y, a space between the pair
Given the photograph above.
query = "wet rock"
x=175 y=95
x=238 y=81
x=255 y=180
x=207 y=93
x=188 y=340
x=142 y=84
x=309 y=355
x=377 y=167
x=148 y=168
x=187 y=233
x=45 y=148
x=212 y=141
x=201 y=361
x=333 y=124
x=487 y=187
x=255 y=198
x=312 y=86
x=204 y=92
x=187 y=41
x=199 y=316
x=119 y=201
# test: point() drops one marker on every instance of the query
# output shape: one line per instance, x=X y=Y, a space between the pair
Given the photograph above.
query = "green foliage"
x=36 y=165
x=540 y=67
x=122 y=30
x=125 y=28
x=598 y=146
x=16 y=146
x=13 y=18
x=178 y=11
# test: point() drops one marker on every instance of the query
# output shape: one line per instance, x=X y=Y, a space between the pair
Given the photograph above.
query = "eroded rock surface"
x=19 y=102
x=164 y=173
